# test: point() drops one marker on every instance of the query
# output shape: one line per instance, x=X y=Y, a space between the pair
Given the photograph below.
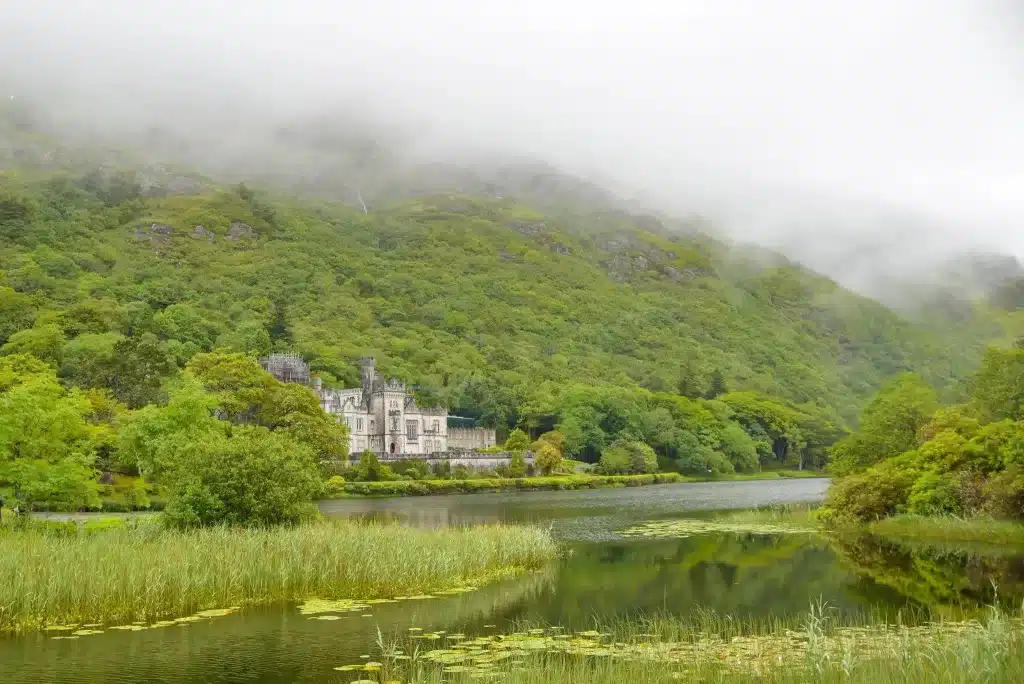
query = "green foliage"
x=251 y=477
x=872 y=494
x=934 y=494
x=517 y=441
x=957 y=460
x=248 y=394
x=889 y=425
x=43 y=342
x=998 y=387
x=557 y=482
x=47 y=452
x=217 y=472
x=17 y=312
x=517 y=465
x=577 y=322
x=1004 y=494
x=541 y=301
x=370 y=469
x=625 y=457
x=414 y=468
x=548 y=458
x=738 y=446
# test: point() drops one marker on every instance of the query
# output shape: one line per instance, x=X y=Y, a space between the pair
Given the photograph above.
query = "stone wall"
x=471 y=438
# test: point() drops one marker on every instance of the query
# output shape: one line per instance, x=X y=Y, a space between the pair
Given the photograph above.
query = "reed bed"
x=787 y=515
x=719 y=649
x=144 y=572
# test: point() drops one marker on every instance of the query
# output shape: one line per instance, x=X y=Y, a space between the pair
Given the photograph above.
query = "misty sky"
x=809 y=123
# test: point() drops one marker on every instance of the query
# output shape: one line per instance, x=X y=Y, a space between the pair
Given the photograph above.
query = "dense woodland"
x=119 y=289
x=913 y=455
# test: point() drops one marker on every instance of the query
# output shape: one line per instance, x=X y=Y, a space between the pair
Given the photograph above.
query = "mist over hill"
x=870 y=141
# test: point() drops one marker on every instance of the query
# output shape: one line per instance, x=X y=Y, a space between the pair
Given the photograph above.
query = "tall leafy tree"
x=47 y=452
x=889 y=425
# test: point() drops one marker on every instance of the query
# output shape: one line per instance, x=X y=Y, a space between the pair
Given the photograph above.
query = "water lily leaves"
x=217 y=612
x=86 y=632
x=677 y=529
x=349 y=668
x=744 y=655
x=326 y=617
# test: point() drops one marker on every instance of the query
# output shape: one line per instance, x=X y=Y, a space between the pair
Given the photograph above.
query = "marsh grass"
x=920 y=530
x=785 y=515
x=949 y=529
x=143 y=572
x=707 y=647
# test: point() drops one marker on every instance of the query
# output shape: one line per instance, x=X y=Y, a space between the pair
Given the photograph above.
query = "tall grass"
x=789 y=515
x=145 y=571
x=721 y=649
x=949 y=529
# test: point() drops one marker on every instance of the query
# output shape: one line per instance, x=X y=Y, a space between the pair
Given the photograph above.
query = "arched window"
x=392 y=447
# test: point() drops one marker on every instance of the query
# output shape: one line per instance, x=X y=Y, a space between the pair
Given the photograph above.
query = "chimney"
x=317 y=383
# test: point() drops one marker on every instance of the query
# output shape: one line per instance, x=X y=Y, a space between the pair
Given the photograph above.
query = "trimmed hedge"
x=428 y=487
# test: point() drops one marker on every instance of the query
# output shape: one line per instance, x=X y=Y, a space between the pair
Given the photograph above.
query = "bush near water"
x=912 y=455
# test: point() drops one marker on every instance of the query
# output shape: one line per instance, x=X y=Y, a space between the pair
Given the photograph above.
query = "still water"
x=602 y=578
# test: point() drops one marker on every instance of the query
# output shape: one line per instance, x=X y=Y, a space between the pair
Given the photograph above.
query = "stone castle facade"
x=382 y=414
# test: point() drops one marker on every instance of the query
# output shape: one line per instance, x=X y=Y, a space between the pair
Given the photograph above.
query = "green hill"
x=478 y=301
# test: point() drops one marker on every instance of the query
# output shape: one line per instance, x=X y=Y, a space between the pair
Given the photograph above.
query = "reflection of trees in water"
x=739 y=575
x=946 y=581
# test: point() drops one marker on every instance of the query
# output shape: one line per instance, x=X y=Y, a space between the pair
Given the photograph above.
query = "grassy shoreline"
x=145 y=572
x=392 y=488
x=949 y=529
x=900 y=528
x=708 y=647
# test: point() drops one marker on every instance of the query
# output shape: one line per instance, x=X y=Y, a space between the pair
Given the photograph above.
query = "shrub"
x=413 y=468
x=517 y=441
x=335 y=485
x=548 y=458
x=256 y=477
x=935 y=494
x=517 y=465
x=704 y=460
x=875 y=493
x=1004 y=494
x=624 y=457
x=370 y=469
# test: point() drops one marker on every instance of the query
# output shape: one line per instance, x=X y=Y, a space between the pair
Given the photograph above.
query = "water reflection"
x=949 y=582
x=590 y=515
x=603 y=578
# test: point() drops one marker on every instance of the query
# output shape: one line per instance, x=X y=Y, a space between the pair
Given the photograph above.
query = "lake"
x=603 y=576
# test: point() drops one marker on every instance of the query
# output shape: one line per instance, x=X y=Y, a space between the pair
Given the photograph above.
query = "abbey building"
x=382 y=414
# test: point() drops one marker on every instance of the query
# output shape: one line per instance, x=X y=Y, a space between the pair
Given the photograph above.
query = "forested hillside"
x=538 y=301
x=488 y=305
